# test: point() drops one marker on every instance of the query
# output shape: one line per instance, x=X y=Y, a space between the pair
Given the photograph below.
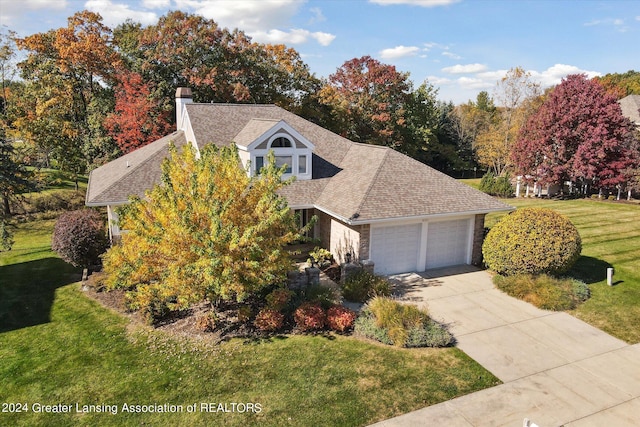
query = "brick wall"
x=478 y=239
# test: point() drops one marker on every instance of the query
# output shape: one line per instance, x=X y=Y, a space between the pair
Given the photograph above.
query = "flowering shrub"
x=269 y=320
x=278 y=299
x=340 y=318
x=310 y=316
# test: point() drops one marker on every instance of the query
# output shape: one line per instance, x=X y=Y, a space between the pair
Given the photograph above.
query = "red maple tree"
x=138 y=119
x=578 y=134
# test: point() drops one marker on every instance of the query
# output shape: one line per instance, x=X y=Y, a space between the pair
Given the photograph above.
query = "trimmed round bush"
x=533 y=241
x=340 y=318
x=269 y=320
x=79 y=237
x=310 y=316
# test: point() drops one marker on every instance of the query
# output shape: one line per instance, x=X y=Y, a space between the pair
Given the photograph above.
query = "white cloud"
x=437 y=81
x=260 y=19
x=248 y=15
x=554 y=74
x=451 y=55
x=399 y=52
x=317 y=15
x=156 y=4
x=475 y=83
x=617 y=23
x=422 y=3
x=13 y=8
x=465 y=69
x=295 y=36
x=114 y=14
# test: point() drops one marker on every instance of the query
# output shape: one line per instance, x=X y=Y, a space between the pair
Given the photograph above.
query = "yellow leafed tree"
x=209 y=231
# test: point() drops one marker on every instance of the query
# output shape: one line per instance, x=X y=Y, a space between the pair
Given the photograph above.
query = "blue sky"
x=460 y=46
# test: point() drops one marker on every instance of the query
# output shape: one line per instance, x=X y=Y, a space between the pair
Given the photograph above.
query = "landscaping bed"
x=62 y=347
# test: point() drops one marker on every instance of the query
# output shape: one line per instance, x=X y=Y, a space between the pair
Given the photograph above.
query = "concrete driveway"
x=556 y=369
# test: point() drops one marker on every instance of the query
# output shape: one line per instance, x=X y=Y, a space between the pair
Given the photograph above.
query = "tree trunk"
x=6 y=208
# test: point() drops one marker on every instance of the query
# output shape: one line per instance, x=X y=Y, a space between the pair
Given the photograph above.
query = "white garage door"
x=447 y=243
x=395 y=249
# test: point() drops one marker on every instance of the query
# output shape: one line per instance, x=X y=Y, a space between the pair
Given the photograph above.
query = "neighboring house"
x=630 y=106
x=371 y=201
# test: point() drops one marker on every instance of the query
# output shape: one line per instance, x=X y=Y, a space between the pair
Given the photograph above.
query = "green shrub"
x=534 y=241
x=611 y=197
x=496 y=186
x=487 y=182
x=402 y=325
x=544 y=291
x=79 y=237
x=269 y=320
x=310 y=316
x=318 y=294
x=365 y=325
x=319 y=256
x=429 y=335
x=244 y=313
x=340 y=318
x=362 y=285
x=581 y=290
x=502 y=187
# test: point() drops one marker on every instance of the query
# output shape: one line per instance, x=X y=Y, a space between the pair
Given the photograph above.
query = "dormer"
x=290 y=148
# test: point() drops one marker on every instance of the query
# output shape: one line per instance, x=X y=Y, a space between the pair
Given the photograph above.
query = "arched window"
x=281 y=142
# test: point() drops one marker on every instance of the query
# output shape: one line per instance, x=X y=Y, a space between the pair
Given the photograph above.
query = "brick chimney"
x=183 y=97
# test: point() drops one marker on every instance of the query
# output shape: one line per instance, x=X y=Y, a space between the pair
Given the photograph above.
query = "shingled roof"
x=630 y=106
x=354 y=182
x=131 y=174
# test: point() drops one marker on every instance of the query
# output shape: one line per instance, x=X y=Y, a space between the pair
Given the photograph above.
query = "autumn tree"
x=578 y=134
x=621 y=84
x=138 y=119
x=513 y=94
x=208 y=232
x=369 y=100
x=65 y=97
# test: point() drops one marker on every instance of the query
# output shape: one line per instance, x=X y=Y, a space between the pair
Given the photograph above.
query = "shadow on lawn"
x=27 y=291
x=589 y=270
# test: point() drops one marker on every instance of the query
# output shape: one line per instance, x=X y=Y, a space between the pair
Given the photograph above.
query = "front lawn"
x=610 y=234
x=59 y=347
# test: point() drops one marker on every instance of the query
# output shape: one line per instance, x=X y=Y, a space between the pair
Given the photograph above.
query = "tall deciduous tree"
x=65 y=74
x=513 y=94
x=209 y=231
x=138 y=119
x=370 y=101
x=578 y=134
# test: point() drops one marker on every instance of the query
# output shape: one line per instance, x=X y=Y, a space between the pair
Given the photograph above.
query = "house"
x=371 y=202
x=630 y=106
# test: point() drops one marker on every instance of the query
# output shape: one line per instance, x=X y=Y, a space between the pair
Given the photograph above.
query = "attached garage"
x=421 y=246
x=448 y=243
x=395 y=249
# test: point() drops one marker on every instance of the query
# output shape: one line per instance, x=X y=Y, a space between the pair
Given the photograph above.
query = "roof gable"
x=257 y=132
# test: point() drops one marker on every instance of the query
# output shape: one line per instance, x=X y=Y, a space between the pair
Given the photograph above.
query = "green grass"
x=57 y=346
x=610 y=238
x=472 y=182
